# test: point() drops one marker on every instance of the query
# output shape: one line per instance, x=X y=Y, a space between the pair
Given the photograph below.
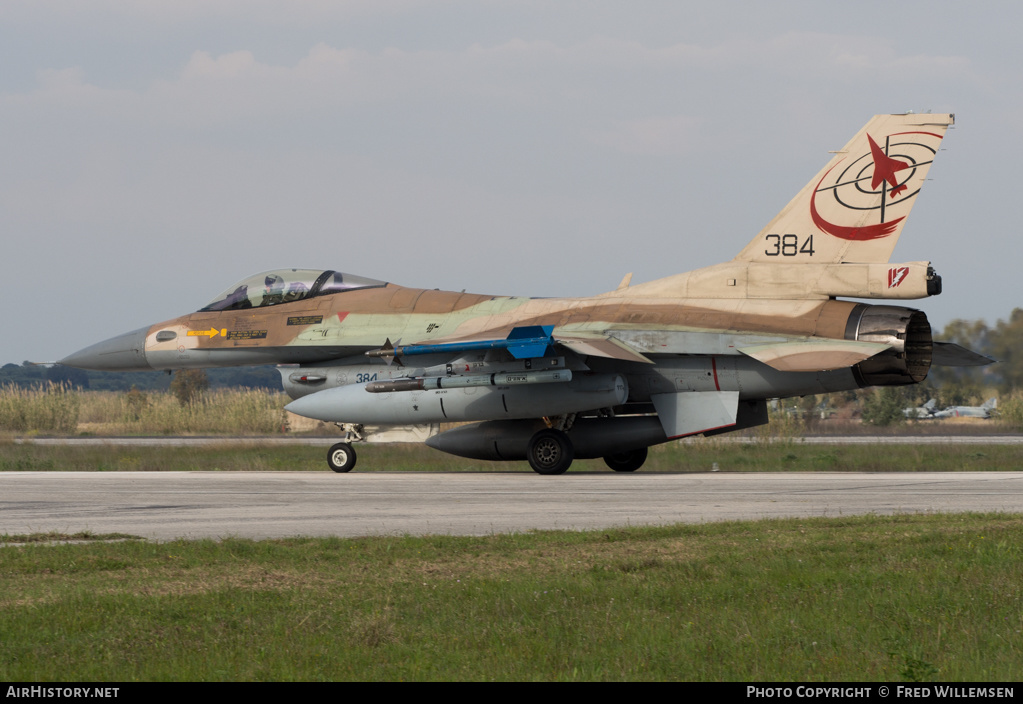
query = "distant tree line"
x=29 y=375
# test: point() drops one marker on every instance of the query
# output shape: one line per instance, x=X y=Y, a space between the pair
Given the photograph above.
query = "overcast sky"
x=156 y=151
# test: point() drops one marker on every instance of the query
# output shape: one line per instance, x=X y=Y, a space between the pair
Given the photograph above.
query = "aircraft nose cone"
x=313 y=406
x=124 y=353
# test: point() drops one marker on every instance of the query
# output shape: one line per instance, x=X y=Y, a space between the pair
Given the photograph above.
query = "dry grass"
x=59 y=411
x=51 y=409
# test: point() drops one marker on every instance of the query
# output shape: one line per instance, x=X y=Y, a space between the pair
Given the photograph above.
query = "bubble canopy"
x=271 y=288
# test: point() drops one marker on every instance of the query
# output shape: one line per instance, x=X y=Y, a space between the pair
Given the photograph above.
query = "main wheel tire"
x=550 y=452
x=341 y=457
x=628 y=461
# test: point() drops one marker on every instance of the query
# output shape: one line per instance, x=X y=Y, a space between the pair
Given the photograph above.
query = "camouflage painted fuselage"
x=653 y=337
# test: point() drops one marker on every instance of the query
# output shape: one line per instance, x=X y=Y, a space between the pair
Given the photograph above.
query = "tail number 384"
x=788 y=246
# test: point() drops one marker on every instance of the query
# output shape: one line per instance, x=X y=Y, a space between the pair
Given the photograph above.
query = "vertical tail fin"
x=854 y=209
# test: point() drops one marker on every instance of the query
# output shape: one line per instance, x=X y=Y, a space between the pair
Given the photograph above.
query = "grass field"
x=937 y=598
x=903 y=598
x=697 y=456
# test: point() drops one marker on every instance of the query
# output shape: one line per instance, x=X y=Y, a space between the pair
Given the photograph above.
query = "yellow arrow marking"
x=211 y=333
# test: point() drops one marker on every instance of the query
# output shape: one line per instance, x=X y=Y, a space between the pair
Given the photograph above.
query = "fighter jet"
x=985 y=411
x=924 y=412
x=555 y=379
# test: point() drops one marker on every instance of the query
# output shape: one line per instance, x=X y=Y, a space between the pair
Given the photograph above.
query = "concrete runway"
x=168 y=505
x=325 y=442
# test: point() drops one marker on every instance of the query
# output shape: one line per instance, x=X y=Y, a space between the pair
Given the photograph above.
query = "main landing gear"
x=628 y=461
x=550 y=451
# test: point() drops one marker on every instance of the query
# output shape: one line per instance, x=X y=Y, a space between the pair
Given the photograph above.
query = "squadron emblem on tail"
x=887 y=182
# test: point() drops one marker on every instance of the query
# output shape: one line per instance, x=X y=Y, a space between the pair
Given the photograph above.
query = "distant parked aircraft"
x=985 y=411
x=924 y=412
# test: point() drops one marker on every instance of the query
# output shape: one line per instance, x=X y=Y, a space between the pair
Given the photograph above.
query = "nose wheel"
x=341 y=457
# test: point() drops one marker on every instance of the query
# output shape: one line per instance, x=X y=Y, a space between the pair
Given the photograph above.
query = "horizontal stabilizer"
x=949 y=354
x=813 y=355
x=691 y=412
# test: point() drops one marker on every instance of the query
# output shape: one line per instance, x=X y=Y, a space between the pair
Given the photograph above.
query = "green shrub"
x=884 y=407
x=1011 y=411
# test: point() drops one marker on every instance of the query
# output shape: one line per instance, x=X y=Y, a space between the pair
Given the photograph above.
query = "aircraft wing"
x=787 y=355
